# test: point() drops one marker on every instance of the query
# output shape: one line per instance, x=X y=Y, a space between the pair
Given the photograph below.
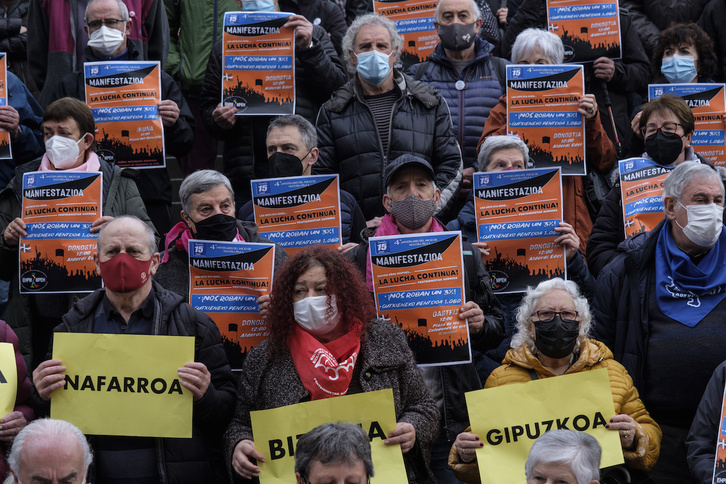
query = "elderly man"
x=49 y=451
x=334 y=452
x=132 y=303
x=292 y=150
x=380 y=115
x=463 y=70
x=410 y=201
x=154 y=184
x=660 y=307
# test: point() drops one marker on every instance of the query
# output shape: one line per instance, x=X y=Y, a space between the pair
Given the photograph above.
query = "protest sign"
x=8 y=378
x=298 y=212
x=277 y=430
x=124 y=384
x=719 y=464
x=414 y=20
x=258 y=68
x=542 y=104
x=589 y=29
x=418 y=282
x=517 y=212
x=225 y=280
x=641 y=187
x=58 y=208
x=708 y=103
x=508 y=423
x=6 y=150
x=124 y=98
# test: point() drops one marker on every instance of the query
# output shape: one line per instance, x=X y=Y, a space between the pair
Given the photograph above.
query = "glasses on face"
x=545 y=315
x=109 y=22
x=668 y=128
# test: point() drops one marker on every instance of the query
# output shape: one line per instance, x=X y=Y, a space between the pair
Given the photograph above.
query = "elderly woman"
x=334 y=452
x=380 y=115
x=552 y=339
x=321 y=303
x=565 y=457
x=68 y=131
x=667 y=125
x=535 y=46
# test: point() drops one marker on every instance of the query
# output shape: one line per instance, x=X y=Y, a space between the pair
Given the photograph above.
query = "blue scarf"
x=685 y=291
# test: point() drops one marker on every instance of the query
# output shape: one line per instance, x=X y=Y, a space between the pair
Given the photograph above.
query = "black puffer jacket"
x=318 y=73
x=350 y=146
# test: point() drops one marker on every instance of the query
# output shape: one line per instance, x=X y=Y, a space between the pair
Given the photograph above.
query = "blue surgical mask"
x=373 y=66
x=258 y=6
x=679 y=68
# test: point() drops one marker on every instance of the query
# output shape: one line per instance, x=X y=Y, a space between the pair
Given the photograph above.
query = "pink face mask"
x=122 y=273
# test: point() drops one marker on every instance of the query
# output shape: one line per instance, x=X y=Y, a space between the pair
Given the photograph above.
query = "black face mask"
x=664 y=148
x=285 y=164
x=556 y=338
x=217 y=227
x=457 y=37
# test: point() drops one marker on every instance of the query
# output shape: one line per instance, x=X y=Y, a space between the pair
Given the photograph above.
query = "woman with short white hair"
x=565 y=455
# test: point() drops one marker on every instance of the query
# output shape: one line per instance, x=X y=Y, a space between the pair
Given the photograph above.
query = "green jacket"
x=195 y=26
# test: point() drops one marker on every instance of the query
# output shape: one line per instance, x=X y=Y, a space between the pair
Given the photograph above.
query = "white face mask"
x=311 y=314
x=705 y=222
x=105 y=40
x=63 y=152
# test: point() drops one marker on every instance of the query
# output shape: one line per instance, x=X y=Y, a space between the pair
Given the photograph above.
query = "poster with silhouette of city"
x=589 y=29
x=124 y=98
x=708 y=103
x=58 y=208
x=516 y=215
x=641 y=187
x=258 y=63
x=298 y=211
x=414 y=20
x=418 y=283
x=542 y=109
x=6 y=151
x=225 y=280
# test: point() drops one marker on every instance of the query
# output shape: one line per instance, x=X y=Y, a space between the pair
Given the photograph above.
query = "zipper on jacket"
x=161 y=462
x=214 y=24
x=461 y=111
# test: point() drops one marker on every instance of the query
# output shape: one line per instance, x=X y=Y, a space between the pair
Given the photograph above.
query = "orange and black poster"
x=58 y=210
x=641 y=185
x=516 y=215
x=708 y=103
x=589 y=29
x=226 y=278
x=542 y=104
x=299 y=211
x=414 y=20
x=6 y=151
x=418 y=282
x=258 y=69
x=719 y=464
x=124 y=98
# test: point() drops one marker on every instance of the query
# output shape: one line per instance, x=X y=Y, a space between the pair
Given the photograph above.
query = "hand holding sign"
x=243 y=452
x=626 y=428
x=224 y=116
x=568 y=239
x=168 y=112
x=49 y=377
x=14 y=231
x=471 y=312
x=196 y=378
x=404 y=434
x=10 y=425
x=10 y=121
x=303 y=31
x=466 y=444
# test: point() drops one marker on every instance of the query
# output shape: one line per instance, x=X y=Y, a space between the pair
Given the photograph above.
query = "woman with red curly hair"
x=325 y=342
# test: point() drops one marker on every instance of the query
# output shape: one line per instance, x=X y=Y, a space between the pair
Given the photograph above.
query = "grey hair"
x=333 y=443
x=580 y=451
x=474 y=7
x=148 y=231
x=199 y=182
x=48 y=429
x=308 y=133
x=536 y=39
x=348 y=43
x=495 y=143
x=685 y=174
x=123 y=9
x=529 y=302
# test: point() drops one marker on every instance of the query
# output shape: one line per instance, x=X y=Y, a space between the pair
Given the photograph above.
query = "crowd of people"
x=405 y=142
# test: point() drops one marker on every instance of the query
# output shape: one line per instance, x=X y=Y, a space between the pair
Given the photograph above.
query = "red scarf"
x=318 y=364
x=182 y=242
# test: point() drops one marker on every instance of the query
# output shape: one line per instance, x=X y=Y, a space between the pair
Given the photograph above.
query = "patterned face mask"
x=413 y=212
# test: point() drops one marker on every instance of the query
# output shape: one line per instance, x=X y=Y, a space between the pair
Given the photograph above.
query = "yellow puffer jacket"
x=593 y=355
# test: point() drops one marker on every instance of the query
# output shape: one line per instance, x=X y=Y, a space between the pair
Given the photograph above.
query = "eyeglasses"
x=668 y=128
x=109 y=22
x=545 y=315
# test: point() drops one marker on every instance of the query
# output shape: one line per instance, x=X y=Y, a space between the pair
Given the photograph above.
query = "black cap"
x=406 y=161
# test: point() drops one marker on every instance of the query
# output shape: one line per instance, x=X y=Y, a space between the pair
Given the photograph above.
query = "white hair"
x=531 y=40
x=502 y=142
x=474 y=9
x=578 y=450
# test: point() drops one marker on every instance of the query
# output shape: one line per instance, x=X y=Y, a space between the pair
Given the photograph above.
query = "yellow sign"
x=508 y=419
x=124 y=384
x=8 y=378
x=276 y=432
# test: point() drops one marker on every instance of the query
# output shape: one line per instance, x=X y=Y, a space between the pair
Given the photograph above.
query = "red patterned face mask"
x=122 y=273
